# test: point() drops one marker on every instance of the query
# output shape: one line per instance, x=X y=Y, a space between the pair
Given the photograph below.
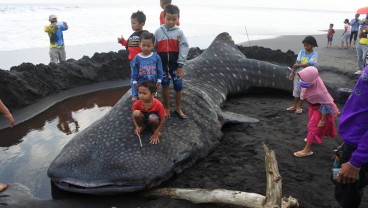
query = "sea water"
x=92 y=22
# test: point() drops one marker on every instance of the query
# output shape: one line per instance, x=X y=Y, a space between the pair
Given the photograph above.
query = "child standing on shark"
x=137 y=21
x=163 y=3
x=172 y=46
x=146 y=65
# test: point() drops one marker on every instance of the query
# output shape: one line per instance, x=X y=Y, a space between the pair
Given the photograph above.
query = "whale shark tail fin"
x=226 y=117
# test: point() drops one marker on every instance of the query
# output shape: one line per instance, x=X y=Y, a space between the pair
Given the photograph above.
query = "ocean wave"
x=20 y=8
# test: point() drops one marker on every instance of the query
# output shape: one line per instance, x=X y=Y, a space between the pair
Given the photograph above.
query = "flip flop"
x=291 y=108
x=299 y=111
x=3 y=186
x=182 y=116
x=297 y=154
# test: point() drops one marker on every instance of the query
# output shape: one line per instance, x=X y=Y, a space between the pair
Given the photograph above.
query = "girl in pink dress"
x=321 y=111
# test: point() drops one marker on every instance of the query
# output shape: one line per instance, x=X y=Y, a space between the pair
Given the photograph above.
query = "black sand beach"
x=238 y=162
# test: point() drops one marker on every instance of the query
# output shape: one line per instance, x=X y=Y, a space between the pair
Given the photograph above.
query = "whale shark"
x=106 y=157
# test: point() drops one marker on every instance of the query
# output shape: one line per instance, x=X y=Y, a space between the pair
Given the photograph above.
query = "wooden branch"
x=223 y=196
x=273 y=198
x=273 y=187
x=220 y=196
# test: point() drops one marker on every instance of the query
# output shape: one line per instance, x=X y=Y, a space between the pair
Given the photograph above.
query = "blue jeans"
x=361 y=54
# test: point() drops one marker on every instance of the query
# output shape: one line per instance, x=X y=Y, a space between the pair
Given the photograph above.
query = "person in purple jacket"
x=353 y=129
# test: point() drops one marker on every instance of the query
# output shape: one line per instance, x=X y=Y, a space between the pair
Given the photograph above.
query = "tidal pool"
x=27 y=149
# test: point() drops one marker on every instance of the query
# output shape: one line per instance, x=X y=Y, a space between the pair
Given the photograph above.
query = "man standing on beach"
x=55 y=32
x=354 y=23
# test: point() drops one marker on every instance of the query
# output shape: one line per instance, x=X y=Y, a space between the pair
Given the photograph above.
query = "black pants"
x=350 y=195
x=353 y=34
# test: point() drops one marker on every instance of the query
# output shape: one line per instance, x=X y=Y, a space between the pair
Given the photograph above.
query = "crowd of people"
x=158 y=59
x=355 y=29
x=351 y=159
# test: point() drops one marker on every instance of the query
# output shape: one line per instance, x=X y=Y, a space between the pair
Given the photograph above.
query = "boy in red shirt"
x=138 y=19
x=148 y=111
x=163 y=3
x=330 y=34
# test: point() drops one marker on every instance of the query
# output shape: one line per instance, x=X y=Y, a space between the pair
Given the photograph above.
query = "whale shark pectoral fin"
x=227 y=117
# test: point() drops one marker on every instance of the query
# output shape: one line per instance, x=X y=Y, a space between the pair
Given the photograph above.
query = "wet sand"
x=238 y=162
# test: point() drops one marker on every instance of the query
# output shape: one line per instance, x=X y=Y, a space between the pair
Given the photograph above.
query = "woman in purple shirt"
x=353 y=129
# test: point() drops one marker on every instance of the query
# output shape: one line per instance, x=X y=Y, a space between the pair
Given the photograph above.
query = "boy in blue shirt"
x=146 y=65
x=55 y=32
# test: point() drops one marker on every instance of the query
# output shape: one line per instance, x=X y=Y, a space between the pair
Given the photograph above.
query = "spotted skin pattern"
x=106 y=157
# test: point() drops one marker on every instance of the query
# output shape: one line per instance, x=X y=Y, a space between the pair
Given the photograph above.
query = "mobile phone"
x=335 y=173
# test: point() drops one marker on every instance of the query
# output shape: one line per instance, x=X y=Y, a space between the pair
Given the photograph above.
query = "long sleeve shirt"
x=353 y=126
x=146 y=68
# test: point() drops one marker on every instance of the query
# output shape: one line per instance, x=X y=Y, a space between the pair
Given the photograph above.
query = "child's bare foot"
x=303 y=153
x=3 y=186
x=134 y=98
x=167 y=110
x=180 y=114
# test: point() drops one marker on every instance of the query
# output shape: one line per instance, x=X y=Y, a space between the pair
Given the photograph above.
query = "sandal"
x=301 y=154
x=291 y=108
x=299 y=111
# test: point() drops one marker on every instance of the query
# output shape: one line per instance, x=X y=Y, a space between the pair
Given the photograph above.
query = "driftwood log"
x=273 y=198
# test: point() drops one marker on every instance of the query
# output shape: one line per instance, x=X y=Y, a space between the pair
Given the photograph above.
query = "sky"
x=338 y=5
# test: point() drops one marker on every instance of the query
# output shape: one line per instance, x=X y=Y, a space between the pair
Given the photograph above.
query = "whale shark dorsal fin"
x=223 y=46
x=227 y=117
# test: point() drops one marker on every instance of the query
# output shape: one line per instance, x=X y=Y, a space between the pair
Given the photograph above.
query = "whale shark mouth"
x=98 y=190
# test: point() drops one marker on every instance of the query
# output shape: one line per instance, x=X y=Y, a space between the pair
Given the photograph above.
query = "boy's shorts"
x=329 y=39
x=296 y=87
x=177 y=81
x=147 y=115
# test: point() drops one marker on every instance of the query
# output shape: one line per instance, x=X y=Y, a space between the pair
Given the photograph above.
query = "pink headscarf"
x=317 y=93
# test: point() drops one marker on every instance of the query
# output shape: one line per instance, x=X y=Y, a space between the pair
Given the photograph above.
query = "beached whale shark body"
x=107 y=158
